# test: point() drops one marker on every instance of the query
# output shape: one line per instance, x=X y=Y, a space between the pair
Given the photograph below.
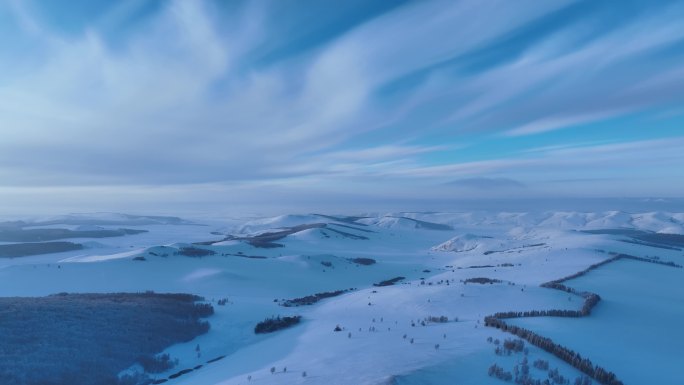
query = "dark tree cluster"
x=157 y=364
x=482 y=280
x=557 y=378
x=575 y=359
x=584 y=380
x=515 y=345
x=589 y=303
x=650 y=260
x=581 y=273
x=273 y=324
x=195 y=252
x=312 y=299
x=590 y=300
x=389 y=282
x=556 y=284
x=363 y=261
x=498 y=372
x=521 y=374
x=90 y=338
x=180 y=373
x=541 y=364
x=437 y=319
x=137 y=380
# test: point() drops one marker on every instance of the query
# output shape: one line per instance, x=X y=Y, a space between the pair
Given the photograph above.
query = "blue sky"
x=309 y=105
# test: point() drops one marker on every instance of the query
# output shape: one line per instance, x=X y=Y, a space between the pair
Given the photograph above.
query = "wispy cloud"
x=195 y=95
x=555 y=123
x=487 y=183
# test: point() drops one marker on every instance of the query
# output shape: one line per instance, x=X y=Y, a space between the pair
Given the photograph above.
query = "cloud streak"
x=185 y=97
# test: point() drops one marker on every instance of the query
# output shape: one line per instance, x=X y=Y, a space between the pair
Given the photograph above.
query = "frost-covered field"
x=247 y=269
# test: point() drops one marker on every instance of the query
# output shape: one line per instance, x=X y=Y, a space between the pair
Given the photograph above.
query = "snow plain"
x=522 y=250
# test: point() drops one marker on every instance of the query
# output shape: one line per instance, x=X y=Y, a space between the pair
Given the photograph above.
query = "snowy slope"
x=464 y=242
x=522 y=250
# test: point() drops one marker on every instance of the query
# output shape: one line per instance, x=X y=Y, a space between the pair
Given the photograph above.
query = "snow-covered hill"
x=464 y=242
x=258 y=265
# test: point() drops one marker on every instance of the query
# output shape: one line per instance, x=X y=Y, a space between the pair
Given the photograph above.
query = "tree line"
x=312 y=299
x=590 y=301
x=571 y=357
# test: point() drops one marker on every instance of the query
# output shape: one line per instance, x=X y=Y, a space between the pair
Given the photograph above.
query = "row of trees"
x=389 y=282
x=312 y=299
x=649 y=260
x=521 y=372
x=581 y=273
x=571 y=357
x=481 y=280
x=157 y=364
x=438 y=319
x=591 y=300
x=556 y=284
x=195 y=252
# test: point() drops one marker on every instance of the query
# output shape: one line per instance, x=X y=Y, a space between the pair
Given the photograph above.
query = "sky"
x=305 y=105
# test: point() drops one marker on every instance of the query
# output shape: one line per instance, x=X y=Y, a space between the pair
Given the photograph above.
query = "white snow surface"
x=463 y=242
x=522 y=250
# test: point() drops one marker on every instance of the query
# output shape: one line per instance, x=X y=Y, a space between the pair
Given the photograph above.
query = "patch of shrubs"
x=135 y=379
x=435 y=319
x=389 y=282
x=363 y=261
x=541 y=364
x=195 y=252
x=515 y=345
x=273 y=324
x=571 y=357
x=498 y=372
x=557 y=378
x=584 y=380
x=157 y=364
x=312 y=299
x=482 y=280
